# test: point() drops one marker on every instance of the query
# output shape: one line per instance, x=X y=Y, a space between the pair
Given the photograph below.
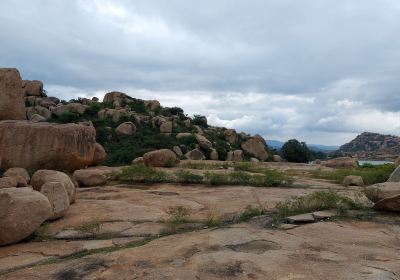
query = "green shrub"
x=138 y=106
x=187 y=177
x=93 y=109
x=68 y=117
x=200 y=121
x=294 y=151
x=141 y=173
x=178 y=214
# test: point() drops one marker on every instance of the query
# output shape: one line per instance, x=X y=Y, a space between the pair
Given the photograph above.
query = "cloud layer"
x=317 y=70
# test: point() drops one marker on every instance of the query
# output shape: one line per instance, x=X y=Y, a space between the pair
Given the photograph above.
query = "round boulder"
x=126 y=128
x=99 y=154
x=44 y=176
x=353 y=181
x=137 y=160
x=22 y=211
x=58 y=198
x=195 y=154
x=8 y=182
x=17 y=171
x=160 y=158
x=90 y=177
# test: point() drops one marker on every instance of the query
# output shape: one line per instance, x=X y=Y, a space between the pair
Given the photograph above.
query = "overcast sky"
x=321 y=71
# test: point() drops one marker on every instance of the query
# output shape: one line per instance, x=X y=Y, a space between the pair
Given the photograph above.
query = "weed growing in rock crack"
x=212 y=221
x=141 y=173
x=178 y=214
x=316 y=201
x=187 y=177
x=92 y=227
x=371 y=174
x=250 y=212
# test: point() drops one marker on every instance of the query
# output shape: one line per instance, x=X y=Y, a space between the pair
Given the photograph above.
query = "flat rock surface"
x=303 y=218
x=242 y=251
x=125 y=232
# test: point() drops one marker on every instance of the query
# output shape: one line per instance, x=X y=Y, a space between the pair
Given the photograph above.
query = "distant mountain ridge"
x=316 y=147
x=369 y=145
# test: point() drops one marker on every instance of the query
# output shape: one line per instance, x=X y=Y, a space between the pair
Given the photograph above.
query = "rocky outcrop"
x=22 y=211
x=76 y=108
x=12 y=103
x=160 y=158
x=256 y=147
x=126 y=128
x=32 y=88
x=214 y=154
x=203 y=141
x=373 y=145
x=236 y=155
x=341 y=162
x=386 y=196
x=166 y=127
x=152 y=105
x=177 y=151
x=114 y=114
x=115 y=97
x=44 y=145
x=195 y=154
x=44 y=176
x=58 y=198
x=90 y=177
x=352 y=180
x=38 y=110
x=230 y=136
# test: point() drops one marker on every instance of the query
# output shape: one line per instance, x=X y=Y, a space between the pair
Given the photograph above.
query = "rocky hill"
x=128 y=128
x=370 y=145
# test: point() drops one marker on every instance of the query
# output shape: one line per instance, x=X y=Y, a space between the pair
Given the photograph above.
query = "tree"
x=294 y=151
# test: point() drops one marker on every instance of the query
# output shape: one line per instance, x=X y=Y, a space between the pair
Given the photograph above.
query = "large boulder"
x=177 y=150
x=12 y=102
x=8 y=182
x=166 y=127
x=203 y=141
x=381 y=191
x=58 y=198
x=90 y=177
x=389 y=204
x=152 y=105
x=38 y=110
x=76 y=108
x=114 y=114
x=32 y=88
x=183 y=135
x=214 y=154
x=126 y=128
x=99 y=154
x=44 y=176
x=115 y=97
x=22 y=211
x=236 y=155
x=160 y=158
x=341 y=162
x=256 y=147
x=230 y=136
x=46 y=146
x=352 y=180
x=195 y=154
x=17 y=171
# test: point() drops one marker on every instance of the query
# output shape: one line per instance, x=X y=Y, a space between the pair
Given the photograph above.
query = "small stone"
x=287 y=226
x=327 y=214
x=303 y=218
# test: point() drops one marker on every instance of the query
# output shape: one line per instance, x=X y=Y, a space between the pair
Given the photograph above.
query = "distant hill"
x=370 y=145
x=315 y=147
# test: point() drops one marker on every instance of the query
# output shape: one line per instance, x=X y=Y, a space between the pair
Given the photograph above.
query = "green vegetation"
x=141 y=173
x=187 y=177
x=92 y=227
x=371 y=174
x=250 y=212
x=316 y=201
x=294 y=151
x=269 y=178
x=204 y=165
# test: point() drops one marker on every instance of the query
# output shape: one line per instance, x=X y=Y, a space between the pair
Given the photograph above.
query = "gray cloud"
x=318 y=70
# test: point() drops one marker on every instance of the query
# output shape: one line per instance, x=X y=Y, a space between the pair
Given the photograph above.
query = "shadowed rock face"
x=12 y=106
x=46 y=146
